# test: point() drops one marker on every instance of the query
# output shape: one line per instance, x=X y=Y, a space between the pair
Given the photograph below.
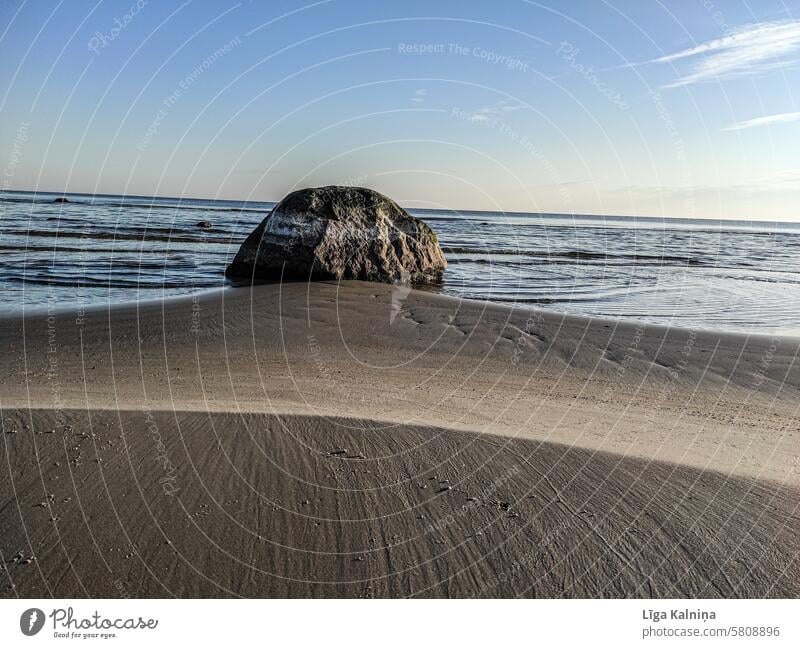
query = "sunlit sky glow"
x=685 y=109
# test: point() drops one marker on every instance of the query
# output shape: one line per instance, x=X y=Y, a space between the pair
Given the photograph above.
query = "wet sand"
x=363 y=440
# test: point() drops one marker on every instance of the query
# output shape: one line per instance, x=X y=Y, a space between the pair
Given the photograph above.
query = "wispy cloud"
x=785 y=180
x=747 y=50
x=763 y=121
x=495 y=112
x=773 y=182
x=419 y=95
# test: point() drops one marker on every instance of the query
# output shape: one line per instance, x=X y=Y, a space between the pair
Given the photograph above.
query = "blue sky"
x=685 y=109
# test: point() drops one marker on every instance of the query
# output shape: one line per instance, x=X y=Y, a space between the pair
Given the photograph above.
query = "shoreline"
x=166 y=302
x=584 y=266
x=353 y=439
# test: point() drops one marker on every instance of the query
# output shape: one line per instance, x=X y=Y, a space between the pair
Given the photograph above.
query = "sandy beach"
x=363 y=440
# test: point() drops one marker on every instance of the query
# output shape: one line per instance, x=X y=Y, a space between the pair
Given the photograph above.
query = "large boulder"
x=340 y=233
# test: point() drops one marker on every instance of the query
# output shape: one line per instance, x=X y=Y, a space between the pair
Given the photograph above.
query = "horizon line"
x=432 y=209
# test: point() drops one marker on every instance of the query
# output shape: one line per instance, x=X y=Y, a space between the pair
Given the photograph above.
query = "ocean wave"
x=151 y=235
x=100 y=202
x=118 y=251
x=578 y=255
x=104 y=282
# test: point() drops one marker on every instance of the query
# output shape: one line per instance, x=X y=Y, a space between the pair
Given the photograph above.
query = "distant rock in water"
x=59 y=201
x=340 y=233
x=206 y=224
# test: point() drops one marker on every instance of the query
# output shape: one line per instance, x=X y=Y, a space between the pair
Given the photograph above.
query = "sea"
x=703 y=274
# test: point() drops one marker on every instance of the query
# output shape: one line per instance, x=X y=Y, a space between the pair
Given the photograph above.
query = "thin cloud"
x=419 y=95
x=786 y=180
x=783 y=180
x=493 y=113
x=762 y=121
x=747 y=50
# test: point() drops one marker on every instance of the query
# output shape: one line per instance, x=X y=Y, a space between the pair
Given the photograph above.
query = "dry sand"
x=363 y=440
